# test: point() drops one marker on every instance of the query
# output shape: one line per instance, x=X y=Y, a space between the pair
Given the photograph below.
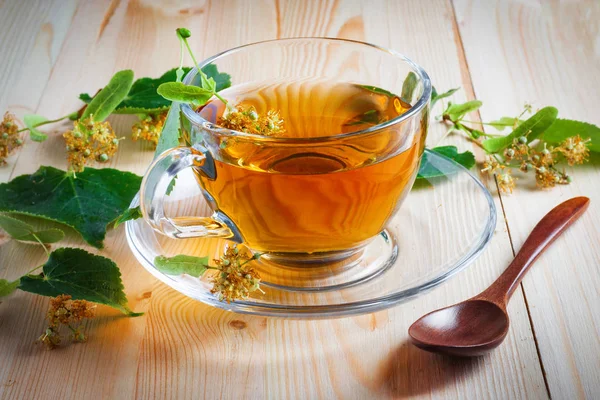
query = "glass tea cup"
x=301 y=198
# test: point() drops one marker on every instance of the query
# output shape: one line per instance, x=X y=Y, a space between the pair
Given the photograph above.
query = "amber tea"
x=290 y=195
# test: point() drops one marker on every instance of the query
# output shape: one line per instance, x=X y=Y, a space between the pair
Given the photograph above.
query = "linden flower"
x=547 y=178
x=575 y=150
x=519 y=150
x=89 y=140
x=246 y=119
x=235 y=278
x=149 y=128
x=506 y=182
x=10 y=139
x=490 y=165
x=64 y=311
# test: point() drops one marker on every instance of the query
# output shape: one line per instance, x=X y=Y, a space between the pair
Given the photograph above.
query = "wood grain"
x=547 y=54
x=183 y=349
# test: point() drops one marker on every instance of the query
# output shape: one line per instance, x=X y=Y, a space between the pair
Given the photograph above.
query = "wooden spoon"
x=478 y=325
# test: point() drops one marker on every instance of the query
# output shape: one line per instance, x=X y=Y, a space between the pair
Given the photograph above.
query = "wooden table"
x=505 y=53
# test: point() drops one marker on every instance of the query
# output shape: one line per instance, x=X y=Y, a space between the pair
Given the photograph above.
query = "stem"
x=45 y=123
x=180 y=69
x=192 y=55
x=254 y=257
x=486 y=124
x=218 y=96
x=202 y=74
x=36 y=268
x=448 y=132
x=40 y=242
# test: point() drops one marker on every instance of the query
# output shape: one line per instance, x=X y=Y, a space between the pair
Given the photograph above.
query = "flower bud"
x=183 y=33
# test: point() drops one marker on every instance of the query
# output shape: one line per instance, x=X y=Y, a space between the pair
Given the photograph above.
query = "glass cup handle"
x=154 y=189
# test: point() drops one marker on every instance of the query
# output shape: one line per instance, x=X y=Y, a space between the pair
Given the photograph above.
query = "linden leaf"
x=107 y=100
x=457 y=111
x=169 y=136
x=177 y=91
x=22 y=231
x=428 y=170
x=222 y=79
x=182 y=264
x=52 y=235
x=408 y=87
x=129 y=215
x=86 y=98
x=171 y=186
x=30 y=120
x=7 y=287
x=503 y=122
x=533 y=127
x=562 y=129
x=87 y=203
x=83 y=276
x=435 y=96
x=14 y=227
x=143 y=97
x=377 y=90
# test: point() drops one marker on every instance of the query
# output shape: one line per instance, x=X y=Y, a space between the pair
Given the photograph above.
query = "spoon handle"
x=544 y=233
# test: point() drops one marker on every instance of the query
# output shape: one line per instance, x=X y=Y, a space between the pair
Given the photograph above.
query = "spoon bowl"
x=473 y=328
x=478 y=325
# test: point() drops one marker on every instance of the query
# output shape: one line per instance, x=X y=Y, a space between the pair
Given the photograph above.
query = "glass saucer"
x=443 y=225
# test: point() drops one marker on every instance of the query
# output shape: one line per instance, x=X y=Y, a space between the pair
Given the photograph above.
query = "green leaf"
x=143 y=96
x=222 y=79
x=30 y=120
x=503 y=122
x=435 y=96
x=7 y=287
x=87 y=203
x=562 y=129
x=14 y=227
x=408 y=87
x=83 y=276
x=377 y=90
x=52 y=235
x=531 y=128
x=169 y=137
x=427 y=170
x=129 y=215
x=107 y=100
x=86 y=98
x=177 y=91
x=457 y=111
x=22 y=231
x=171 y=185
x=182 y=264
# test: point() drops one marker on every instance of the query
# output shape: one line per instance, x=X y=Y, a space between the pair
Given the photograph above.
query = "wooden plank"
x=30 y=41
x=547 y=54
x=184 y=349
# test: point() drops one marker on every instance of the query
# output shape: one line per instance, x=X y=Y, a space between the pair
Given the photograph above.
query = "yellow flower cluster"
x=89 y=140
x=575 y=150
x=9 y=137
x=149 y=127
x=246 y=119
x=67 y=312
x=235 y=278
x=543 y=162
x=505 y=180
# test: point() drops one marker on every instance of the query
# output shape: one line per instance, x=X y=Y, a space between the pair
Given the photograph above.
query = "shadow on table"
x=409 y=371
